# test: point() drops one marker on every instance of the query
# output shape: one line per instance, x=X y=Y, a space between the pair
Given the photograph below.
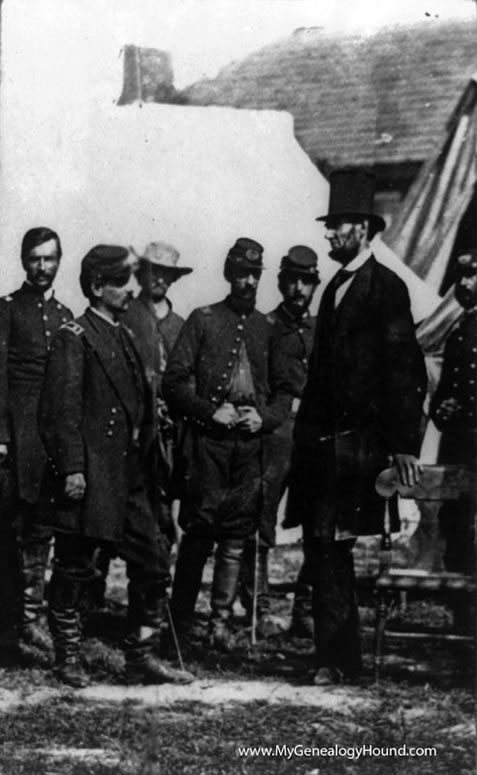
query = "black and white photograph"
x=238 y=403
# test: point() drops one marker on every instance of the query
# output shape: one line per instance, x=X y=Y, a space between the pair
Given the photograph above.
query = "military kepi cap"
x=246 y=253
x=467 y=264
x=352 y=194
x=300 y=259
x=107 y=264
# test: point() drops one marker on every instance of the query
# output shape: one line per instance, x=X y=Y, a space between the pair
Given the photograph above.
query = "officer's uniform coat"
x=223 y=466
x=28 y=323
x=459 y=437
x=459 y=381
x=362 y=403
x=87 y=412
x=295 y=342
x=155 y=338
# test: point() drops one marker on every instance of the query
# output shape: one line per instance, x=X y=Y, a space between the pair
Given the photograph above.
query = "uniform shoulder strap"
x=74 y=327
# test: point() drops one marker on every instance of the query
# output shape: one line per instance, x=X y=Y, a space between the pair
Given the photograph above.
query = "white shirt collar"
x=358 y=262
x=104 y=317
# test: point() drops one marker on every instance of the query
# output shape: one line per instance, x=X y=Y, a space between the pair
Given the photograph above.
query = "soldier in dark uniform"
x=362 y=404
x=156 y=327
x=294 y=326
x=453 y=409
x=224 y=377
x=151 y=316
x=29 y=319
x=96 y=420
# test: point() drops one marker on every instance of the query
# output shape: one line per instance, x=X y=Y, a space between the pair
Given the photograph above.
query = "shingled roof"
x=380 y=99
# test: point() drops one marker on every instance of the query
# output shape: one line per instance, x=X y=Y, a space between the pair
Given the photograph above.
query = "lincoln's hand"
x=226 y=415
x=409 y=469
x=3 y=452
x=75 y=486
x=250 y=419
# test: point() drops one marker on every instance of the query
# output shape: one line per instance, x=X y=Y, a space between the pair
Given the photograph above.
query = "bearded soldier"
x=224 y=376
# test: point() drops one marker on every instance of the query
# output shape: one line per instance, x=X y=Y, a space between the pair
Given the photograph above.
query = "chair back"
x=436 y=483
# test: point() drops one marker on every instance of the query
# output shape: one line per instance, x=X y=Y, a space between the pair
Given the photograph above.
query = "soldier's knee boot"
x=34 y=561
x=64 y=621
x=224 y=590
x=193 y=554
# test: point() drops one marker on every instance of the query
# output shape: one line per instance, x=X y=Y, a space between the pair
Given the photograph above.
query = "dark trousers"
x=334 y=604
x=147 y=564
x=220 y=508
x=34 y=539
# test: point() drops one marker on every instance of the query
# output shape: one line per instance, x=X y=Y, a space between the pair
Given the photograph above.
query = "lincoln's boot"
x=144 y=667
x=34 y=561
x=64 y=621
x=193 y=553
x=224 y=590
x=302 y=615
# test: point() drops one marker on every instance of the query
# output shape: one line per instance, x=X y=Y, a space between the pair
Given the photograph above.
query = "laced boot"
x=64 y=621
x=143 y=667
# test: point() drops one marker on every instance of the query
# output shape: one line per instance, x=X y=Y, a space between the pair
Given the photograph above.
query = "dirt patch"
x=345 y=700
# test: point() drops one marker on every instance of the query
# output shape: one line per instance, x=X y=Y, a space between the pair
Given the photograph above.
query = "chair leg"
x=382 y=610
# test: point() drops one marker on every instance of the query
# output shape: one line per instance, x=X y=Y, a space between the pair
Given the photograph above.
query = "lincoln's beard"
x=344 y=254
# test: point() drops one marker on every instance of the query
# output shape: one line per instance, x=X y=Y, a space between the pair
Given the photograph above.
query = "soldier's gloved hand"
x=3 y=452
x=226 y=414
x=250 y=419
x=75 y=486
x=409 y=469
x=450 y=409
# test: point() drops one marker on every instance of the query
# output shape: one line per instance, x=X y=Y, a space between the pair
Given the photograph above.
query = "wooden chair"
x=437 y=483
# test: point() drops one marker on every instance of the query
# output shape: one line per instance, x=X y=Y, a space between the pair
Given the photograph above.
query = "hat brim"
x=309 y=271
x=178 y=271
x=378 y=221
x=243 y=263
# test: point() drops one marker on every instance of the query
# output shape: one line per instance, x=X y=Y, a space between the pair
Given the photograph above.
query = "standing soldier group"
x=107 y=417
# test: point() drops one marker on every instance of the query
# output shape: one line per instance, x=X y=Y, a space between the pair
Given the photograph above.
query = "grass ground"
x=425 y=700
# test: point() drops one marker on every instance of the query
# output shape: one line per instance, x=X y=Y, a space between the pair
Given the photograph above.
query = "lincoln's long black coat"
x=377 y=376
x=87 y=411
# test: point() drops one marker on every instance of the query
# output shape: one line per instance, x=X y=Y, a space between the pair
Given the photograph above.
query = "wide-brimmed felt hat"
x=300 y=259
x=352 y=194
x=164 y=255
x=246 y=254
